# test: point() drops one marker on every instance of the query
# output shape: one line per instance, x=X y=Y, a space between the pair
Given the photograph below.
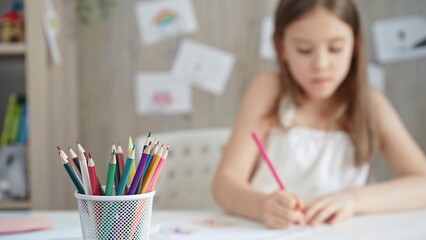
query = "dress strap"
x=287 y=112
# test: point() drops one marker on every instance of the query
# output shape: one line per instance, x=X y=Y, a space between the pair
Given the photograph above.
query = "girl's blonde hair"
x=354 y=112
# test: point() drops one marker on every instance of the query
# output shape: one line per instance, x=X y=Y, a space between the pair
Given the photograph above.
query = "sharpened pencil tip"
x=59 y=149
x=149 y=134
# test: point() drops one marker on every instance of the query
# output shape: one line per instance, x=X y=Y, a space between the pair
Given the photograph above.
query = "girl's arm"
x=231 y=186
x=408 y=190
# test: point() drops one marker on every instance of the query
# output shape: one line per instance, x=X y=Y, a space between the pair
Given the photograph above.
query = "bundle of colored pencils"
x=126 y=177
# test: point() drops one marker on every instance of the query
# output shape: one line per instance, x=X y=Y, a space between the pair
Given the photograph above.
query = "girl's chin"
x=321 y=95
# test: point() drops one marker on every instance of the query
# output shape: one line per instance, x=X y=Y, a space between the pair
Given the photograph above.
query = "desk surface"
x=390 y=226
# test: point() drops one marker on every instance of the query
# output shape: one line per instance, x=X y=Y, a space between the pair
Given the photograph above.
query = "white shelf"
x=12 y=48
x=14 y=204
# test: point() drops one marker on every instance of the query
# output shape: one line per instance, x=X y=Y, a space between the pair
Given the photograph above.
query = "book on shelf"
x=15 y=125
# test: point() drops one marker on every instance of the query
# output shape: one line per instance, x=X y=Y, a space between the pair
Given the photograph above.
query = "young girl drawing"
x=321 y=125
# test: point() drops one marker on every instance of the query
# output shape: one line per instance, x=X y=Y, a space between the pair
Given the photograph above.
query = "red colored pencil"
x=92 y=175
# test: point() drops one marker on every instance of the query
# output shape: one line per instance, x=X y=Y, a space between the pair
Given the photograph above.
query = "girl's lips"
x=320 y=80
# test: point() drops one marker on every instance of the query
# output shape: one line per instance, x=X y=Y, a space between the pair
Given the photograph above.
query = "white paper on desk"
x=224 y=227
x=203 y=66
x=159 y=94
x=267 y=49
x=162 y=19
x=376 y=77
x=400 y=39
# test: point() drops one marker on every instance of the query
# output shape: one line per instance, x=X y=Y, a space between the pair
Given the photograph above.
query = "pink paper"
x=24 y=224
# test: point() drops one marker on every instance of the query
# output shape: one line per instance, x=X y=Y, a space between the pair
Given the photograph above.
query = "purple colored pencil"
x=138 y=174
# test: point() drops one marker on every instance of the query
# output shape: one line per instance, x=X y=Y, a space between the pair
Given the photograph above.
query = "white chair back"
x=186 y=178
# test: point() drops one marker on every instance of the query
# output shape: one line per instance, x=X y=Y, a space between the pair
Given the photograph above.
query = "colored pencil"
x=153 y=150
x=111 y=172
x=84 y=171
x=120 y=160
x=92 y=175
x=133 y=167
x=64 y=155
x=268 y=160
x=101 y=190
x=117 y=170
x=148 y=140
x=75 y=160
x=139 y=171
x=126 y=172
x=151 y=169
x=157 y=172
x=71 y=173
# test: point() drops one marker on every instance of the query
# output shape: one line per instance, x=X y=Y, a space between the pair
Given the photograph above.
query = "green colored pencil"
x=111 y=174
x=126 y=172
x=71 y=172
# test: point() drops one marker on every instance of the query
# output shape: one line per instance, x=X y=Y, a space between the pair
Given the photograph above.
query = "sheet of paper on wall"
x=158 y=93
x=203 y=66
x=267 y=49
x=51 y=31
x=162 y=19
x=376 y=77
x=400 y=39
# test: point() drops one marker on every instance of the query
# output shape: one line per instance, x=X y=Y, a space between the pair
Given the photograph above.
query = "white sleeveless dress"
x=311 y=162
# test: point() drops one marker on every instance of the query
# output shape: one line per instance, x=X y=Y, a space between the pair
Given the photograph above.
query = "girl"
x=321 y=124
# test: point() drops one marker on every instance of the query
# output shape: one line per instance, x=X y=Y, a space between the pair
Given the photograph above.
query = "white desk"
x=405 y=225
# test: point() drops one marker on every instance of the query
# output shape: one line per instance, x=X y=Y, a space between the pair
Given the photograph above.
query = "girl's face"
x=318 y=50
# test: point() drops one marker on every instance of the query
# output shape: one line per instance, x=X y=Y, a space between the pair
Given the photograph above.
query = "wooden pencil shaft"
x=110 y=179
x=77 y=184
x=124 y=177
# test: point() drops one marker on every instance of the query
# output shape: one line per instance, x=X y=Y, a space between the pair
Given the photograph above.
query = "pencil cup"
x=115 y=217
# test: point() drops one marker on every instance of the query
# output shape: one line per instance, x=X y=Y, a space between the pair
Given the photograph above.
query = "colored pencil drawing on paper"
x=225 y=227
x=160 y=20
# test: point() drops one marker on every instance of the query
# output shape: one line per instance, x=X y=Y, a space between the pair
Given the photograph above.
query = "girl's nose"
x=321 y=60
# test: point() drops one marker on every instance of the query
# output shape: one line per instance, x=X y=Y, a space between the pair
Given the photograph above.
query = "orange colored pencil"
x=152 y=167
x=157 y=172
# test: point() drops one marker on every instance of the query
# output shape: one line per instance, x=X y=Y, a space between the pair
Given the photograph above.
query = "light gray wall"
x=111 y=53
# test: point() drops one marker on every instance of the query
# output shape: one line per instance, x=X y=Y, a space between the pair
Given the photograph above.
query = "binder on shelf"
x=8 y=122
x=15 y=123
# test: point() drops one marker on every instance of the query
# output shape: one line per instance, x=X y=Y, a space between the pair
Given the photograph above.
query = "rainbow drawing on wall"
x=165 y=18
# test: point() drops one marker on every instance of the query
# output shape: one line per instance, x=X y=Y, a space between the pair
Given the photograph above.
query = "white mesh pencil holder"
x=115 y=217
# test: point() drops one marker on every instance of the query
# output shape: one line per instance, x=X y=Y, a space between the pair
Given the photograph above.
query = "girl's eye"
x=304 y=51
x=335 y=49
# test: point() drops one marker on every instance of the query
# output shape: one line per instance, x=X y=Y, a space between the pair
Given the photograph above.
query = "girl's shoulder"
x=263 y=94
x=267 y=83
x=384 y=113
x=379 y=102
x=268 y=77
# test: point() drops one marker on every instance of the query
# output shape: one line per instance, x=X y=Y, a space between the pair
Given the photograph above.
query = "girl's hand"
x=282 y=209
x=330 y=209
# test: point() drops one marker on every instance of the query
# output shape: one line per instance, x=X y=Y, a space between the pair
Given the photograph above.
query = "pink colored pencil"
x=158 y=170
x=268 y=160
